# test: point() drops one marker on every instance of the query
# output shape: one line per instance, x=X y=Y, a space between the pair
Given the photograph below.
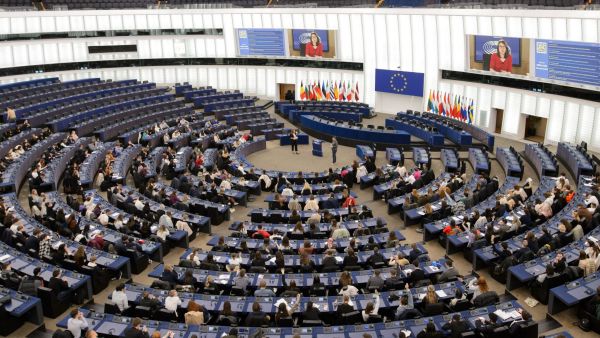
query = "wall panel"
x=570 y=122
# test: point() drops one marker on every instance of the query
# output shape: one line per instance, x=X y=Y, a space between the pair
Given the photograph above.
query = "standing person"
x=294 y=140
x=334 y=146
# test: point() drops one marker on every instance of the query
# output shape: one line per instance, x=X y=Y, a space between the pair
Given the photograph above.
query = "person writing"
x=501 y=61
x=314 y=48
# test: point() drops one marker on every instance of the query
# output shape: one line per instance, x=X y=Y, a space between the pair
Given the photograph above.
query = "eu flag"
x=397 y=82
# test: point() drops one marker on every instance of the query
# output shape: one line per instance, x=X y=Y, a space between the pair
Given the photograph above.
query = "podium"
x=317 y=148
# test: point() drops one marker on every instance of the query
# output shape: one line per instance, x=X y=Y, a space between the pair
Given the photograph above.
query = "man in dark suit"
x=414 y=253
x=331 y=202
x=345 y=307
x=329 y=259
x=524 y=252
x=58 y=285
x=416 y=276
x=456 y=326
x=169 y=275
x=484 y=327
x=517 y=326
x=376 y=258
x=136 y=330
x=33 y=242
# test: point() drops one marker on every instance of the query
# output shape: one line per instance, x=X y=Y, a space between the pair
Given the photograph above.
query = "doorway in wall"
x=535 y=128
x=499 y=118
x=283 y=91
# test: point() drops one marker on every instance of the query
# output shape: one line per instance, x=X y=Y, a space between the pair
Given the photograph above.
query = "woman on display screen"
x=501 y=61
x=314 y=48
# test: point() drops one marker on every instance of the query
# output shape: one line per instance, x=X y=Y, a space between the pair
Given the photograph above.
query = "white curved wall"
x=420 y=40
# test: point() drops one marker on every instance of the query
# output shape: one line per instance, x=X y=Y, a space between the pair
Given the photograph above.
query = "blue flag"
x=397 y=82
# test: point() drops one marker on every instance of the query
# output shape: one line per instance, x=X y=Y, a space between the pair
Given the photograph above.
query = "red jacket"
x=311 y=51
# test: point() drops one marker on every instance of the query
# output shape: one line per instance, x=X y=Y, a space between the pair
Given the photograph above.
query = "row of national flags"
x=329 y=91
x=454 y=106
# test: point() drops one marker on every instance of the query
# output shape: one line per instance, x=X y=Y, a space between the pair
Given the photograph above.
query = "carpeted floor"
x=281 y=158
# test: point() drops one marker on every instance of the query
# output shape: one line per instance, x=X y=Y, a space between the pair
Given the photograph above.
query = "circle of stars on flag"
x=398 y=85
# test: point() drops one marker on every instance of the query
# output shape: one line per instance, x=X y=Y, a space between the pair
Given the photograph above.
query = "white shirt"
x=75 y=326
x=287 y=192
x=401 y=171
x=592 y=200
x=181 y=225
x=312 y=205
x=265 y=179
x=196 y=259
x=360 y=172
x=162 y=234
x=171 y=303
x=225 y=184
x=139 y=205
x=103 y=218
x=166 y=221
x=14 y=228
x=349 y=291
x=120 y=299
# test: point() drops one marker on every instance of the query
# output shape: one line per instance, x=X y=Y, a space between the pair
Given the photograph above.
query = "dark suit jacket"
x=456 y=328
x=417 y=275
x=170 y=277
x=350 y=261
x=57 y=285
x=32 y=242
x=130 y=332
x=344 y=308
x=256 y=319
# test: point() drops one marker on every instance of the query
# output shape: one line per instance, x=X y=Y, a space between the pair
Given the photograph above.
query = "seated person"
x=59 y=286
x=263 y=291
x=257 y=317
x=345 y=307
x=375 y=281
x=456 y=326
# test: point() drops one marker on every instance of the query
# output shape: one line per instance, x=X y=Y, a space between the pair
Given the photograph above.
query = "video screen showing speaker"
x=312 y=43
x=499 y=54
x=261 y=42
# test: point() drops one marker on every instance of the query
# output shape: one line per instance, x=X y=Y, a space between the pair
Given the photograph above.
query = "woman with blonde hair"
x=430 y=297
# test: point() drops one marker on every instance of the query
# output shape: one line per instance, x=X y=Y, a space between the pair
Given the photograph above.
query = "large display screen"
x=568 y=61
x=488 y=45
x=312 y=43
x=261 y=42
x=286 y=42
x=499 y=54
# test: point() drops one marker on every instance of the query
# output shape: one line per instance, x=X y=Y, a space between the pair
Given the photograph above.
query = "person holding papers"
x=284 y=311
x=518 y=325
